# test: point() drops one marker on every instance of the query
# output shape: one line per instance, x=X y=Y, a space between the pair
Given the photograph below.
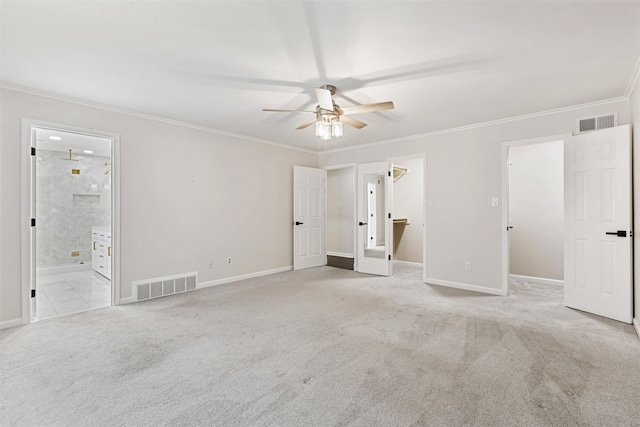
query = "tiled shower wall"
x=68 y=205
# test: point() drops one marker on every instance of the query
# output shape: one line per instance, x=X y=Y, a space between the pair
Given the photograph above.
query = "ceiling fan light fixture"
x=323 y=130
x=326 y=132
x=329 y=116
x=336 y=129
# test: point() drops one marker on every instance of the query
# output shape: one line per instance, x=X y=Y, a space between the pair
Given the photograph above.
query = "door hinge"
x=33 y=222
x=33 y=293
x=389 y=215
x=389 y=257
x=33 y=151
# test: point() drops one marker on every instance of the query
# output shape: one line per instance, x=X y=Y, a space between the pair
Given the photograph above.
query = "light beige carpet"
x=320 y=347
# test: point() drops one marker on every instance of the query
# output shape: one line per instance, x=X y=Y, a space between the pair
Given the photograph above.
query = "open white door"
x=598 y=243
x=374 y=230
x=308 y=217
x=32 y=255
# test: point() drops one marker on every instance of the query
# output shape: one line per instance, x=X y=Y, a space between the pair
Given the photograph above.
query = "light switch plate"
x=495 y=202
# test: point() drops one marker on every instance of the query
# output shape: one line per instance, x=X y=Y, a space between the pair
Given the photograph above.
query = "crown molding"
x=634 y=81
x=30 y=91
x=477 y=125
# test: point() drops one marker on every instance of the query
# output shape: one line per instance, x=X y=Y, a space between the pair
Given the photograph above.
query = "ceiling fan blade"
x=367 y=108
x=324 y=99
x=288 y=111
x=352 y=122
x=307 y=124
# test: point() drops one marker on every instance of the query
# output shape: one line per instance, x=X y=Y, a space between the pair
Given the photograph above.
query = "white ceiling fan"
x=329 y=117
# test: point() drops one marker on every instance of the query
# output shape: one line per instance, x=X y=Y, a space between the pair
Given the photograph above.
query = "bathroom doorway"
x=72 y=205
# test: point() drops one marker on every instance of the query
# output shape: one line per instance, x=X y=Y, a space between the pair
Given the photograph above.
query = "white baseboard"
x=10 y=323
x=340 y=254
x=465 y=286
x=537 y=280
x=407 y=263
x=127 y=300
x=243 y=277
x=636 y=325
x=62 y=269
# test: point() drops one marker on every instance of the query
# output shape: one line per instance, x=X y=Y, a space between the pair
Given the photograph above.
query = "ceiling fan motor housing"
x=327 y=115
x=330 y=88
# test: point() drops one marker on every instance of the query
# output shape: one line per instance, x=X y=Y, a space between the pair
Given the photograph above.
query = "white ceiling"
x=216 y=64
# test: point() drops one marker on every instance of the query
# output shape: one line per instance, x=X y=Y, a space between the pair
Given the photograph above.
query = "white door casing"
x=598 y=261
x=373 y=258
x=308 y=217
x=28 y=209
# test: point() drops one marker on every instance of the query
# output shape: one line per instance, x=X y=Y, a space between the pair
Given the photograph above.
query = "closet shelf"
x=403 y=221
x=399 y=171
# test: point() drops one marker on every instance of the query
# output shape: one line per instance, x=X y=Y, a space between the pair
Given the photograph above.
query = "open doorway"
x=535 y=212
x=340 y=223
x=408 y=215
x=70 y=256
x=597 y=252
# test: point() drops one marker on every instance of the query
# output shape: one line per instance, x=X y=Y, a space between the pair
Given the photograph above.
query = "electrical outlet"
x=467 y=266
x=210 y=264
x=229 y=260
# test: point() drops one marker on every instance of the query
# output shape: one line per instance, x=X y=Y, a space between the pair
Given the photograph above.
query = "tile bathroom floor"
x=62 y=294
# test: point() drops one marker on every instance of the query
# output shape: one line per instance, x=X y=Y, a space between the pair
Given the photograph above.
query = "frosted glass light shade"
x=326 y=132
x=336 y=129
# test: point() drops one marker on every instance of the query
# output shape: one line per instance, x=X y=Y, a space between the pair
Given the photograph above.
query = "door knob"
x=299 y=223
x=362 y=223
x=619 y=233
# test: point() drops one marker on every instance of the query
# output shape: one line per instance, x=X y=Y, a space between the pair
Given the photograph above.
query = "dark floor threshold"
x=340 y=262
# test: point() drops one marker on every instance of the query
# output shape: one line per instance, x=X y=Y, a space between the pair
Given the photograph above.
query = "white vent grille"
x=589 y=124
x=606 y=122
x=163 y=286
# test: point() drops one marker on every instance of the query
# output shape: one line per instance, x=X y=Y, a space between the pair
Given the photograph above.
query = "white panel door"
x=598 y=227
x=32 y=256
x=374 y=225
x=308 y=217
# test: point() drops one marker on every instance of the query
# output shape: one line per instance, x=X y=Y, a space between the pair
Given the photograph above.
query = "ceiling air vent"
x=594 y=123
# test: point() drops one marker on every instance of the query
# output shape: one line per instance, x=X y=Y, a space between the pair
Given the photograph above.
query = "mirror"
x=374 y=243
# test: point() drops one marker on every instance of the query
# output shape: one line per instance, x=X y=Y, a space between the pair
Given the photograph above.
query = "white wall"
x=188 y=196
x=408 y=202
x=340 y=215
x=463 y=174
x=536 y=210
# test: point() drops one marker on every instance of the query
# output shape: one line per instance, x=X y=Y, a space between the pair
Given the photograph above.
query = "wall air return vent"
x=163 y=286
x=595 y=123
